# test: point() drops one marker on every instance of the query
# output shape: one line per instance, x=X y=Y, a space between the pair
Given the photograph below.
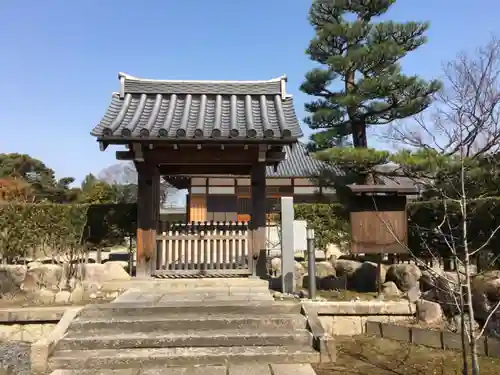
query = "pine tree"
x=360 y=83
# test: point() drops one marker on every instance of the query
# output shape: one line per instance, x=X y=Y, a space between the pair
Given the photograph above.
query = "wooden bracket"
x=138 y=154
x=262 y=153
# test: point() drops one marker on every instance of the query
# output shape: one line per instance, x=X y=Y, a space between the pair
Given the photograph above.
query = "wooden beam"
x=137 y=151
x=103 y=146
x=207 y=170
x=257 y=223
x=146 y=223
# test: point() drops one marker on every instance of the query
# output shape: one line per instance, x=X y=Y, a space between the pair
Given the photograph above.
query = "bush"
x=329 y=221
x=58 y=228
x=427 y=227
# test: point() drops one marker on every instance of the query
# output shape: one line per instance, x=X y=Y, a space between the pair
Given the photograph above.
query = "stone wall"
x=349 y=318
x=25 y=332
x=431 y=338
x=28 y=324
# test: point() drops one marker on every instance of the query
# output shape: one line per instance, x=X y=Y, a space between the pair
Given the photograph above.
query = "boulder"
x=454 y=323
x=362 y=277
x=116 y=271
x=325 y=269
x=333 y=283
x=413 y=295
x=94 y=273
x=44 y=296
x=429 y=312
x=77 y=294
x=346 y=267
x=389 y=289
x=485 y=296
x=62 y=297
x=333 y=252
x=405 y=276
x=367 y=277
x=40 y=276
x=11 y=279
x=442 y=287
x=276 y=274
x=276 y=266
x=299 y=275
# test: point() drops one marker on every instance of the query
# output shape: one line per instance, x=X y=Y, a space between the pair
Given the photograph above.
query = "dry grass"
x=364 y=355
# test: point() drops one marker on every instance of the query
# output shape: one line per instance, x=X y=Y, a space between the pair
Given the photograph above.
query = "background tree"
x=360 y=83
x=466 y=117
x=123 y=177
x=15 y=190
x=44 y=185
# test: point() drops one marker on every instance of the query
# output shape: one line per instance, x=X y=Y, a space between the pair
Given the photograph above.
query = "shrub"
x=57 y=228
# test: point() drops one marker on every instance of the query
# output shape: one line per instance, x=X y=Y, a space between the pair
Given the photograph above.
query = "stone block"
x=493 y=347
x=253 y=369
x=426 y=337
x=292 y=369
x=453 y=341
x=395 y=332
x=373 y=328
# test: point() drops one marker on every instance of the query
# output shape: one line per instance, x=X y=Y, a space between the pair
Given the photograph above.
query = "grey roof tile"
x=299 y=163
x=200 y=109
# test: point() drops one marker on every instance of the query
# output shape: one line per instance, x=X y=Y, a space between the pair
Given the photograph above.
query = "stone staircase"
x=158 y=330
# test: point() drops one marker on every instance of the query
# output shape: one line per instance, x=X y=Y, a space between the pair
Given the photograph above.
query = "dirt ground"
x=363 y=355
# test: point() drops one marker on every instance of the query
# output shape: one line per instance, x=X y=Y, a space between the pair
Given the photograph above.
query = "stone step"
x=174 y=307
x=183 y=322
x=185 y=297
x=255 y=369
x=150 y=358
x=113 y=340
x=171 y=284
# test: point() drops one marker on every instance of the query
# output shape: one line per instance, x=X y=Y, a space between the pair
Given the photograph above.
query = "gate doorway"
x=203 y=249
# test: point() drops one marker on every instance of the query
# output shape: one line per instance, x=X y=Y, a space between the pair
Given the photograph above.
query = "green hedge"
x=331 y=224
x=62 y=227
x=329 y=221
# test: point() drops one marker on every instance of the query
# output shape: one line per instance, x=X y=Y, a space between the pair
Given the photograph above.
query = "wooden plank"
x=192 y=237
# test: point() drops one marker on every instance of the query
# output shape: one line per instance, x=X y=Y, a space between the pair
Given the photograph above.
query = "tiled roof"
x=299 y=163
x=200 y=109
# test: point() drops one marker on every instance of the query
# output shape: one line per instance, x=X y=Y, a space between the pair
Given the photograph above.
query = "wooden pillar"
x=146 y=223
x=156 y=217
x=257 y=225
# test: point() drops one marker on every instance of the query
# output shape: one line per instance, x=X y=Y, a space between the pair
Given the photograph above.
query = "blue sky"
x=59 y=60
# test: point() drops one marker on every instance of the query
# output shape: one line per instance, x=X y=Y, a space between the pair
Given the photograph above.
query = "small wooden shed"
x=379 y=222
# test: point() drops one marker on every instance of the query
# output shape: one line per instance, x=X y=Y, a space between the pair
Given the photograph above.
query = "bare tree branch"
x=466 y=116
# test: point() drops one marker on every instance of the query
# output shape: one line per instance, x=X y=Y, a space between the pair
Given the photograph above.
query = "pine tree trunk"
x=359 y=134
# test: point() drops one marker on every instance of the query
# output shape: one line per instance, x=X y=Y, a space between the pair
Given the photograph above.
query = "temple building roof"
x=204 y=110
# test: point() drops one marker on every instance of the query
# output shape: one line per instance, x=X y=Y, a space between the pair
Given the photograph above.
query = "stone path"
x=188 y=327
x=256 y=369
x=173 y=291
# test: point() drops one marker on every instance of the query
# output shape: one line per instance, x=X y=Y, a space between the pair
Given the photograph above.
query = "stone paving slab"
x=170 y=284
x=289 y=369
x=256 y=369
x=220 y=294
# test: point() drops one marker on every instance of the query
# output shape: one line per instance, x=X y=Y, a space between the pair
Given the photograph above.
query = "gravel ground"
x=14 y=358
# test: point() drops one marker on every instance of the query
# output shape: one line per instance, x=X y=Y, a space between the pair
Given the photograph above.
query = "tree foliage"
x=360 y=82
x=52 y=229
x=41 y=179
x=15 y=189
